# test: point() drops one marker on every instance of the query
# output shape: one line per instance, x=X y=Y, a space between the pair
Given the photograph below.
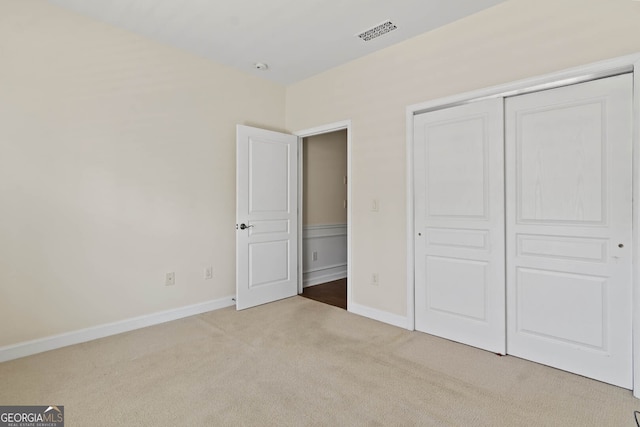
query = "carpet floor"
x=298 y=362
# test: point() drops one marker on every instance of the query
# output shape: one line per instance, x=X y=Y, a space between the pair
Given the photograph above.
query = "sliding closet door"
x=569 y=171
x=459 y=224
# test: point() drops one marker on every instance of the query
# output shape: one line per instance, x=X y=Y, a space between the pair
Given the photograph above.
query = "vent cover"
x=377 y=31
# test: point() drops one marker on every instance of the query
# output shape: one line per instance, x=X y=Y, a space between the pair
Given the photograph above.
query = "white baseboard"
x=28 y=348
x=379 y=315
x=313 y=278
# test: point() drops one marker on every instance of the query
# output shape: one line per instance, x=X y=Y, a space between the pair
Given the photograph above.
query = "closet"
x=523 y=226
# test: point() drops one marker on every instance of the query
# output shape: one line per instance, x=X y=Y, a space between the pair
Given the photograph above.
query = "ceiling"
x=296 y=38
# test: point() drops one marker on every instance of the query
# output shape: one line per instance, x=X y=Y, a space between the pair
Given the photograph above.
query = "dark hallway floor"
x=332 y=293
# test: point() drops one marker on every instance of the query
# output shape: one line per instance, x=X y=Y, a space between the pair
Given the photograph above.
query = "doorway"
x=324 y=214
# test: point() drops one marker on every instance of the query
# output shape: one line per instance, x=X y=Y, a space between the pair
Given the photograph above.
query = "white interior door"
x=569 y=170
x=266 y=216
x=459 y=224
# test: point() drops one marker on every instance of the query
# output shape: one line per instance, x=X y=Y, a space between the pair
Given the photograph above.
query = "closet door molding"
x=606 y=68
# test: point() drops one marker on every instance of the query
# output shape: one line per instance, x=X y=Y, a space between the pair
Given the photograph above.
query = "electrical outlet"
x=315 y=255
x=208 y=273
x=170 y=279
x=375 y=280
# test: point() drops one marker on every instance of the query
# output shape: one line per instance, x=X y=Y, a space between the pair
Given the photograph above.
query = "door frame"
x=580 y=74
x=320 y=130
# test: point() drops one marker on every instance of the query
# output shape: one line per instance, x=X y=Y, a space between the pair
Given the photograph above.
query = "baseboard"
x=328 y=275
x=29 y=348
x=379 y=315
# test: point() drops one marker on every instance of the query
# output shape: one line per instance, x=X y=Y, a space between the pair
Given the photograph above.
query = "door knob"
x=620 y=245
x=245 y=226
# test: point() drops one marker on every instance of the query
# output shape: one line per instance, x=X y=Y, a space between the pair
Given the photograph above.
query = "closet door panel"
x=569 y=175
x=459 y=224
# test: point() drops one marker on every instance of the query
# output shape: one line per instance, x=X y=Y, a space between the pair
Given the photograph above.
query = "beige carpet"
x=300 y=362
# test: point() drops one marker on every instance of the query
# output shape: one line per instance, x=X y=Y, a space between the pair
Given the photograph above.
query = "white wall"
x=117 y=153
x=324 y=169
x=511 y=41
x=117 y=165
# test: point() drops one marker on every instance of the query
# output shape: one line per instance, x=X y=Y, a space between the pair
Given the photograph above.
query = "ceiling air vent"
x=377 y=31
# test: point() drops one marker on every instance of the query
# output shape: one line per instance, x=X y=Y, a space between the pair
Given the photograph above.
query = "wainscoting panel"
x=325 y=253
